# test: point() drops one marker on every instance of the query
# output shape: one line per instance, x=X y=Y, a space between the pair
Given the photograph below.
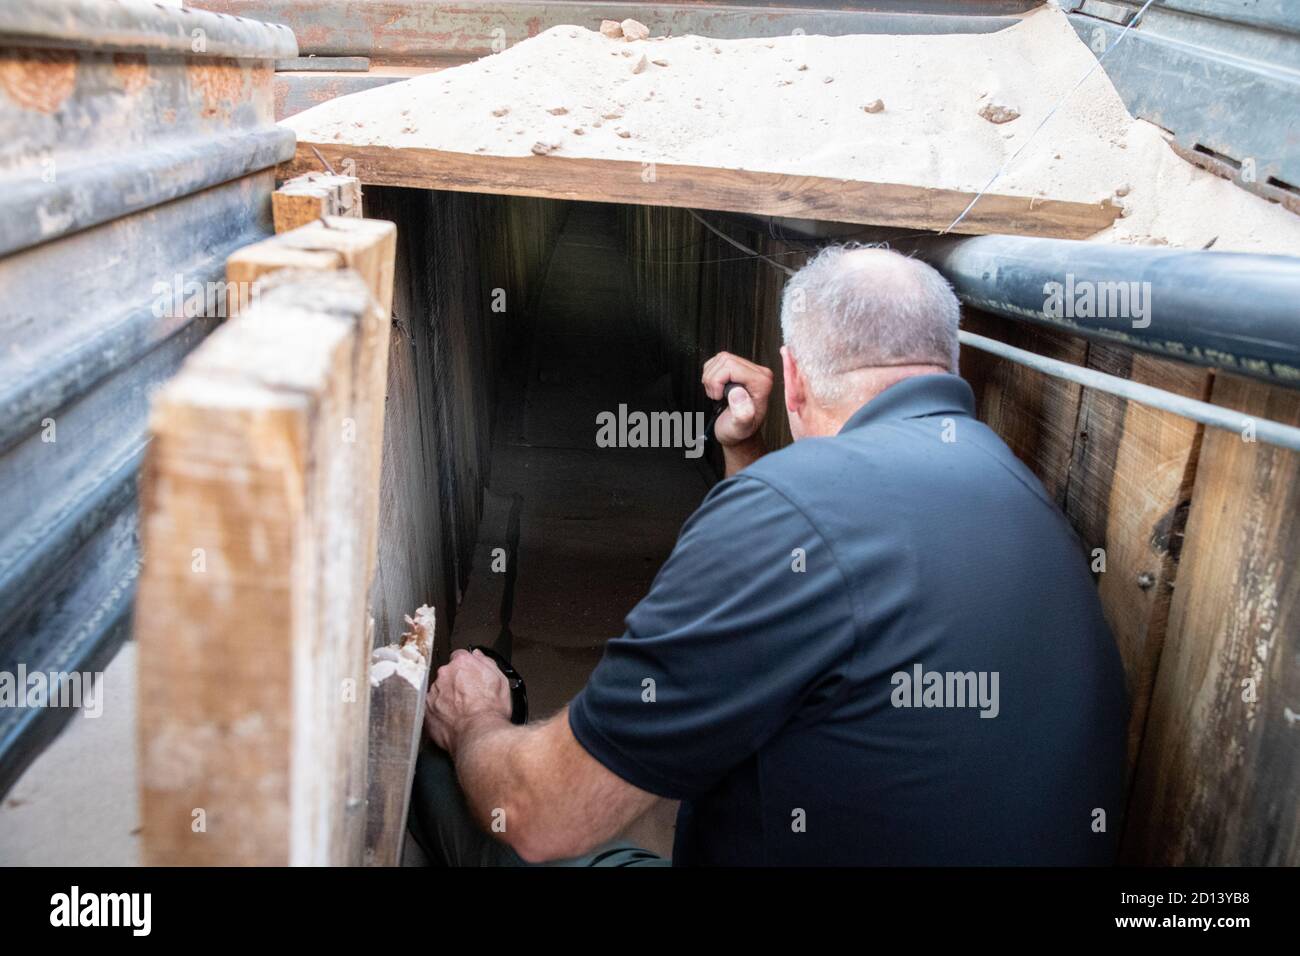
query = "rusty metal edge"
x=139 y=27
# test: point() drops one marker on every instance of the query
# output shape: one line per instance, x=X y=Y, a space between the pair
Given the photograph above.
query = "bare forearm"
x=490 y=769
x=738 y=457
x=547 y=797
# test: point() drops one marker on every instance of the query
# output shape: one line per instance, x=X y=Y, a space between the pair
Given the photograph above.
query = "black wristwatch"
x=518 y=690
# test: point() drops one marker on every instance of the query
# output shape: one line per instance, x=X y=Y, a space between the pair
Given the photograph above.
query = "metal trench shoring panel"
x=139 y=150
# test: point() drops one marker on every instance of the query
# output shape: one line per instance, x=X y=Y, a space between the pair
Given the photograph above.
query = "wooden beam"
x=251 y=616
x=705 y=187
x=1220 y=763
x=399 y=677
x=368 y=248
x=313 y=196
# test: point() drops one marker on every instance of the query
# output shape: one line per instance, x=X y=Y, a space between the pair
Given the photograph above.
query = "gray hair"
x=852 y=307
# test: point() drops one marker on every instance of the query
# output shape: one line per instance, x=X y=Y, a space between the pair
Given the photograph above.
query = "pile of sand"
x=942 y=111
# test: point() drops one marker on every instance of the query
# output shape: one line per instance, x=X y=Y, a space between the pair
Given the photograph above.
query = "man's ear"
x=796 y=389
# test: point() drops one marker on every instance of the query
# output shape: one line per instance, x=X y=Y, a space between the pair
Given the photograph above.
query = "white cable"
x=1059 y=103
x=1264 y=430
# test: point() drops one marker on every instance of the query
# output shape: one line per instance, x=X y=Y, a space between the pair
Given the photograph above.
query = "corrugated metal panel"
x=1223 y=76
x=137 y=152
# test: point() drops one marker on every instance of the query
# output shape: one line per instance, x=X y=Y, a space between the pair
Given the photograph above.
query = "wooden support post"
x=399 y=677
x=1220 y=762
x=251 y=616
x=367 y=247
x=313 y=196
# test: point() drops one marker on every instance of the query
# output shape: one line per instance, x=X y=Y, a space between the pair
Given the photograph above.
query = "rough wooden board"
x=399 y=676
x=1218 y=773
x=1131 y=478
x=701 y=187
x=245 y=666
x=368 y=247
x=1035 y=414
x=313 y=196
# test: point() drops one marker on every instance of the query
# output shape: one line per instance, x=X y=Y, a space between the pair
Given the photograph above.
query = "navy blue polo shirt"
x=882 y=647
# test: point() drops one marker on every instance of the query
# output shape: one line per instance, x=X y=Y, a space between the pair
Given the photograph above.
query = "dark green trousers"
x=441 y=824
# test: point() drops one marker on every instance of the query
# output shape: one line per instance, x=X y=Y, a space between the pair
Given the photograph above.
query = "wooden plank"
x=313 y=196
x=1220 y=763
x=1035 y=414
x=1130 y=482
x=703 y=187
x=368 y=248
x=251 y=616
x=399 y=677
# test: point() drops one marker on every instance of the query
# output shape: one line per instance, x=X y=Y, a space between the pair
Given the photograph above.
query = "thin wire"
x=1217 y=416
x=1050 y=113
x=722 y=235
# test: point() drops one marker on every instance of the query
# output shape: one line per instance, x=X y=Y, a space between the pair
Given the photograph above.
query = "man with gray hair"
x=878 y=645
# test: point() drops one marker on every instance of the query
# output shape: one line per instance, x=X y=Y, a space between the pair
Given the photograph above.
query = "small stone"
x=634 y=29
x=579 y=131
x=611 y=28
x=640 y=65
x=611 y=115
x=541 y=149
x=996 y=112
x=828 y=79
x=801 y=67
x=557 y=110
x=1123 y=189
x=659 y=62
x=875 y=106
x=624 y=133
x=501 y=111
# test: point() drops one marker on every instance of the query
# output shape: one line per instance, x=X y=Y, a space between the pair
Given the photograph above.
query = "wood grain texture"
x=251 y=617
x=313 y=196
x=1035 y=414
x=703 y=187
x=368 y=248
x=399 y=676
x=1220 y=763
x=1130 y=483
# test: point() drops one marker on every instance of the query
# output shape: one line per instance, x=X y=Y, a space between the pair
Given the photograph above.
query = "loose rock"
x=996 y=112
x=611 y=28
x=634 y=29
x=875 y=106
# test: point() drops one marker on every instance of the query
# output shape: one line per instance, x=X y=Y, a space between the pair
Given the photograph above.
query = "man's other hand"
x=468 y=686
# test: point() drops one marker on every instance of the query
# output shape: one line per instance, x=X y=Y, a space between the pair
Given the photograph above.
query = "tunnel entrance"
x=573 y=533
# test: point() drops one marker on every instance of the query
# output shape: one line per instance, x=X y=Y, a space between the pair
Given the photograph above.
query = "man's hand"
x=468 y=687
x=737 y=428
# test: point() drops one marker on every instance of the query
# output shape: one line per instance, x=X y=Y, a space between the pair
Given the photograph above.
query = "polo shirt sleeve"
x=732 y=642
